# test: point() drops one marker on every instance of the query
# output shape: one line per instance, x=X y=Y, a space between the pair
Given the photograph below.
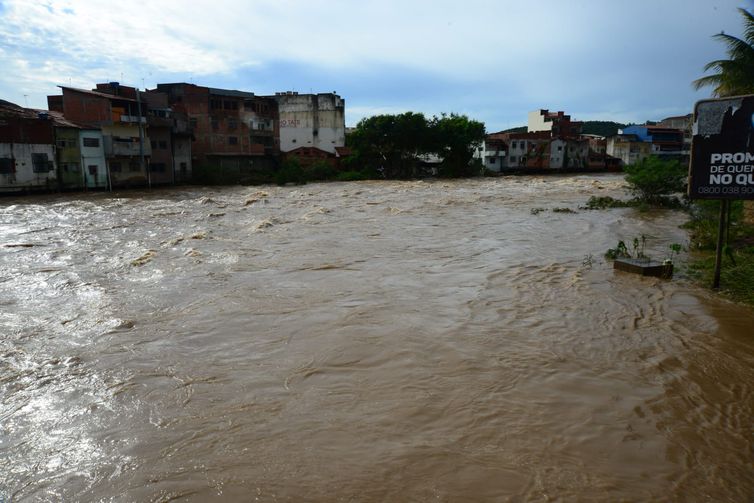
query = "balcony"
x=133 y=119
x=125 y=147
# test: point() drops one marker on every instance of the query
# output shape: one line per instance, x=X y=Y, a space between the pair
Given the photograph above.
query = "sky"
x=493 y=61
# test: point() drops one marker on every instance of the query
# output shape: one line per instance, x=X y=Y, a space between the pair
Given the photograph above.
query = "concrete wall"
x=93 y=164
x=68 y=155
x=537 y=122
x=311 y=120
x=25 y=177
x=182 y=158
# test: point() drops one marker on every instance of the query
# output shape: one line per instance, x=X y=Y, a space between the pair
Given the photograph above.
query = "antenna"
x=26 y=101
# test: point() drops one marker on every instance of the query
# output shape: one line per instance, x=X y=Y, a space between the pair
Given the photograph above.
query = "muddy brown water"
x=376 y=341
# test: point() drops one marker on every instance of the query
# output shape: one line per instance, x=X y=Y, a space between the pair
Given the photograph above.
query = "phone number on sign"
x=725 y=190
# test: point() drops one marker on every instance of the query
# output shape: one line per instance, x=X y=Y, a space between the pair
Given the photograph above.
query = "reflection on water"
x=377 y=341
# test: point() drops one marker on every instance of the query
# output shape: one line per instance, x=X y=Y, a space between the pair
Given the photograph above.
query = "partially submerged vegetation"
x=657 y=184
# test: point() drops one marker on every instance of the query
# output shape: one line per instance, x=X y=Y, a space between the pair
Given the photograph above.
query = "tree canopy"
x=394 y=145
x=734 y=75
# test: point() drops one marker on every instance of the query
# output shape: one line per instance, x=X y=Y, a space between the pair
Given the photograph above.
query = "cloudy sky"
x=491 y=60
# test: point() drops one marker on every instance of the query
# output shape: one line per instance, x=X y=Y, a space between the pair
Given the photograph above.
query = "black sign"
x=722 y=149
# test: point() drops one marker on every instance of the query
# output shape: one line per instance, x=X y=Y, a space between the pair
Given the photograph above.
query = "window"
x=115 y=167
x=72 y=167
x=232 y=124
x=93 y=169
x=560 y=148
x=493 y=160
x=230 y=105
x=261 y=126
x=7 y=166
x=154 y=143
x=134 y=166
x=215 y=123
x=40 y=163
x=163 y=144
x=91 y=142
x=63 y=143
x=232 y=140
x=192 y=122
x=216 y=104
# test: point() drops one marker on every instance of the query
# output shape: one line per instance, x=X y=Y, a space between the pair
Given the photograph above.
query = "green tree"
x=454 y=138
x=653 y=179
x=734 y=75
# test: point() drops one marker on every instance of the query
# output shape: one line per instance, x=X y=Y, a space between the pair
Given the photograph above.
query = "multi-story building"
x=311 y=120
x=665 y=142
x=27 y=152
x=93 y=160
x=233 y=131
x=557 y=123
x=117 y=110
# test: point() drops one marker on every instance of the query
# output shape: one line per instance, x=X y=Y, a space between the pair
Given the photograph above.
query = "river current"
x=366 y=341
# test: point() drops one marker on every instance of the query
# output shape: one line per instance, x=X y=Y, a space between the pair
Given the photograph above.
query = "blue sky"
x=491 y=60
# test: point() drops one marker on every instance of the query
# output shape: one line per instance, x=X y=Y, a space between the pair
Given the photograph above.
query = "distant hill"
x=602 y=128
x=520 y=129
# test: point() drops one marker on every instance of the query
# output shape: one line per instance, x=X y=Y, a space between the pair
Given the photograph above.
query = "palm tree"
x=735 y=75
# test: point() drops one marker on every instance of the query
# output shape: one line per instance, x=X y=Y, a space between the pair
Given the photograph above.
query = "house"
x=93 y=160
x=27 y=151
x=70 y=174
x=118 y=111
x=311 y=120
x=665 y=142
x=629 y=148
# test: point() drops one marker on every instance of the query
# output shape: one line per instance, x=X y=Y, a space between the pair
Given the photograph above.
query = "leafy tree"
x=393 y=144
x=735 y=75
x=454 y=138
x=653 y=179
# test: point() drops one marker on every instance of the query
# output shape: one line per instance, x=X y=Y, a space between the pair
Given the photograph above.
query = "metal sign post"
x=722 y=158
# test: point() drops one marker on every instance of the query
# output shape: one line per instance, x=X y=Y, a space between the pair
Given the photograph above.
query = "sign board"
x=722 y=149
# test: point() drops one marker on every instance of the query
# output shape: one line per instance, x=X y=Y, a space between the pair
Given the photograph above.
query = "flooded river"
x=375 y=341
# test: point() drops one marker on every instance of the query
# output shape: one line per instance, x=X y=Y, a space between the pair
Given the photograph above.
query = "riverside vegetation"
x=655 y=184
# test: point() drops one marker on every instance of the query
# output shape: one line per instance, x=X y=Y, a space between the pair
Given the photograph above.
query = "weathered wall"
x=68 y=156
x=25 y=176
x=93 y=163
x=311 y=120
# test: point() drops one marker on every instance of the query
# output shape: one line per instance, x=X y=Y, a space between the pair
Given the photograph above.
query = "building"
x=70 y=174
x=311 y=120
x=629 y=148
x=233 y=131
x=116 y=110
x=558 y=123
x=93 y=160
x=27 y=151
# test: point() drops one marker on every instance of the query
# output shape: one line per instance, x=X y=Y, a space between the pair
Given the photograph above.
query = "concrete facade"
x=311 y=120
x=93 y=162
x=27 y=152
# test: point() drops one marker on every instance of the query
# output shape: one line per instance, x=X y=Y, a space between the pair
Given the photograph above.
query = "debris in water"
x=215 y=215
x=146 y=258
x=199 y=235
x=193 y=253
x=20 y=245
x=255 y=197
x=264 y=224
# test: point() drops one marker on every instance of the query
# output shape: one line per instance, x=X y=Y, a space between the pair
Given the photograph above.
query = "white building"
x=311 y=120
x=93 y=159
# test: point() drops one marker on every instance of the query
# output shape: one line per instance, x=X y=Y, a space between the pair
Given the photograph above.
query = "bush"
x=290 y=172
x=351 y=176
x=653 y=180
x=322 y=170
